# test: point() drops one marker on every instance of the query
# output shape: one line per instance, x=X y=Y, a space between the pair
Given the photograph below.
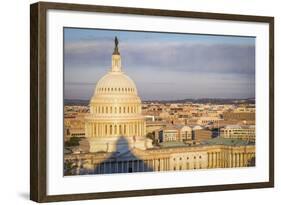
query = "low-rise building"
x=202 y=134
x=245 y=132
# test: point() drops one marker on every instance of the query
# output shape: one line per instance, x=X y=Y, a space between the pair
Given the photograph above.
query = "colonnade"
x=103 y=109
x=98 y=129
x=136 y=165
x=227 y=159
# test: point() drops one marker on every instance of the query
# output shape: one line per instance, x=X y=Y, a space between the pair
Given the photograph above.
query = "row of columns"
x=132 y=166
x=116 y=109
x=223 y=159
x=110 y=129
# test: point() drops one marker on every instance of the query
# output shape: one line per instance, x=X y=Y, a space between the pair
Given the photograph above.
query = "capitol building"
x=115 y=136
x=115 y=110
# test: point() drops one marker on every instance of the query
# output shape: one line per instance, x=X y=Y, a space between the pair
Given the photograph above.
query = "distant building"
x=168 y=134
x=202 y=134
x=74 y=126
x=152 y=126
x=208 y=120
x=179 y=133
x=243 y=132
x=185 y=133
x=239 y=116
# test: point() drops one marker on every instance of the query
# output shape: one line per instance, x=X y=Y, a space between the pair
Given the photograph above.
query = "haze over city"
x=164 y=66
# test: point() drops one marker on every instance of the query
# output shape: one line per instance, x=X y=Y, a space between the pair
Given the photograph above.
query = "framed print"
x=133 y=102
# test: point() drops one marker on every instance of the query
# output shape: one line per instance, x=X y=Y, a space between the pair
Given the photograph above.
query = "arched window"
x=115 y=129
x=115 y=109
x=119 y=109
x=120 y=129
x=106 y=109
x=128 y=109
x=124 y=109
x=105 y=129
x=102 y=109
x=110 y=109
x=124 y=129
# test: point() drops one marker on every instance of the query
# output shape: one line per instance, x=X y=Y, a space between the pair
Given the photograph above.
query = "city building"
x=239 y=115
x=202 y=134
x=245 y=132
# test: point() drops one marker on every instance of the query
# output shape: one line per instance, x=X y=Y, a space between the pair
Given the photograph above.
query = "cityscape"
x=119 y=131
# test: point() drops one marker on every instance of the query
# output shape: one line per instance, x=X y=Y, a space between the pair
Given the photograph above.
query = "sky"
x=164 y=66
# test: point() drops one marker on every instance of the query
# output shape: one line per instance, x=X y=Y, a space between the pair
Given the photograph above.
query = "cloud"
x=164 y=69
x=180 y=56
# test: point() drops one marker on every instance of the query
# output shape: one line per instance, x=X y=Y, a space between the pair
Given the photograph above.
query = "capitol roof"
x=116 y=82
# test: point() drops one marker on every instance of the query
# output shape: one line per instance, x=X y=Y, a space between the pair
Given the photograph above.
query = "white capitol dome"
x=116 y=83
x=115 y=111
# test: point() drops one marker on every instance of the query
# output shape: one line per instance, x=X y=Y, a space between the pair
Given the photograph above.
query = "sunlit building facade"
x=115 y=110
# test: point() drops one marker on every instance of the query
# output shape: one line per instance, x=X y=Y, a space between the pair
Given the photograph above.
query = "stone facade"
x=167 y=159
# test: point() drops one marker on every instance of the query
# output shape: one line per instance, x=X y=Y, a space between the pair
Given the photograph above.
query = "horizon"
x=180 y=99
x=164 y=66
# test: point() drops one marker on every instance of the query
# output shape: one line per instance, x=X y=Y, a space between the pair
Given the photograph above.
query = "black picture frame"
x=38 y=100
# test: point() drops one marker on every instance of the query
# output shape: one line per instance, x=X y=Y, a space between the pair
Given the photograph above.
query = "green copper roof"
x=172 y=144
x=210 y=142
x=223 y=141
